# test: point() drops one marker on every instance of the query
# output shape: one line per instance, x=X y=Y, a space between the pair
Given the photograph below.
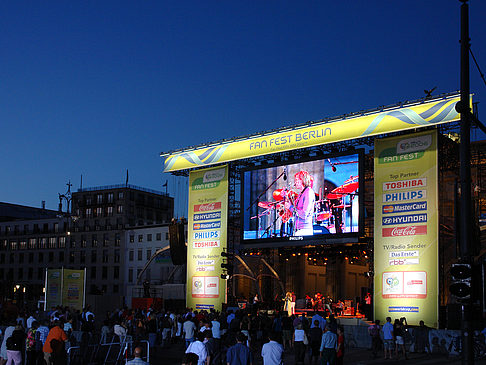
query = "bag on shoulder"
x=306 y=340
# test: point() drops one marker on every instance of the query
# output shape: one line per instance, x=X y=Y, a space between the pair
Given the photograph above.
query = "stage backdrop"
x=406 y=228
x=207 y=237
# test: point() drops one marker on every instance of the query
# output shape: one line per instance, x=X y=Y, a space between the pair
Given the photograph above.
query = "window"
x=109 y=211
x=30 y=273
x=89 y=213
x=20 y=274
x=36 y=228
x=158 y=236
x=12 y=258
x=149 y=254
x=93 y=257
x=3 y=245
x=130 y=275
x=31 y=257
x=82 y=257
x=88 y=200
x=166 y=236
x=2 y=258
x=52 y=242
x=73 y=242
x=119 y=209
x=120 y=195
x=51 y=257
x=41 y=257
x=110 y=197
x=99 y=198
x=43 y=242
x=83 y=241
x=13 y=245
x=140 y=238
x=99 y=212
x=93 y=272
x=132 y=238
x=104 y=288
x=115 y=288
x=94 y=241
x=26 y=229
x=104 y=272
x=105 y=256
x=21 y=258
x=62 y=242
x=139 y=255
x=32 y=243
x=130 y=255
x=71 y=257
x=149 y=237
x=116 y=256
x=61 y=256
x=106 y=240
x=117 y=239
x=56 y=227
x=23 y=245
x=116 y=272
x=40 y=273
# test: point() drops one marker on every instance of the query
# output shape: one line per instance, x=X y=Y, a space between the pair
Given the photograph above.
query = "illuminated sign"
x=396 y=119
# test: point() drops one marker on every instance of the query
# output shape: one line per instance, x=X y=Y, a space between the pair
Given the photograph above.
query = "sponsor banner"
x=404 y=184
x=404 y=219
x=373 y=124
x=406 y=245
x=206 y=225
x=73 y=289
x=404 y=231
x=210 y=235
x=208 y=207
x=205 y=216
x=406 y=207
x=405 y=195
x=54 y=288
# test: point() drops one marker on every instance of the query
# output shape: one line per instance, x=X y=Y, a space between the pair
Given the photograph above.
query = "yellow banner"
x=406 y=228
x=207 y=238
x=398 y=119
x=73 y=289
x=54 y=288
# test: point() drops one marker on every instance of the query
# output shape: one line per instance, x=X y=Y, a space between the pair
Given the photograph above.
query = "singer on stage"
x=303 y=206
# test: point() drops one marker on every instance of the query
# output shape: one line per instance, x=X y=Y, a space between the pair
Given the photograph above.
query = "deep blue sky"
x=99 y=87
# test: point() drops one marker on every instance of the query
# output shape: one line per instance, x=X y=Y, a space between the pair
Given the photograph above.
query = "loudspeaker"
x=178 y=249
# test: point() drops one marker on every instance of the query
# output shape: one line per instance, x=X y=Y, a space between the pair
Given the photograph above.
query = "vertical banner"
x=73 y=289
x=207 y=237
x=53 y=288
x=406 y=228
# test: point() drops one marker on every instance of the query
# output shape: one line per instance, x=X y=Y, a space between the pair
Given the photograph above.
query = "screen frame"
x=322 y=239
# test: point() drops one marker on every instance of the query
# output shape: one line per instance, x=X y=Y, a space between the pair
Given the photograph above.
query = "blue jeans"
x=189 y=341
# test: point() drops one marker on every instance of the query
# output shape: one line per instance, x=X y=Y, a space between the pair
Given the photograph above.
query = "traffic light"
x=461 y=281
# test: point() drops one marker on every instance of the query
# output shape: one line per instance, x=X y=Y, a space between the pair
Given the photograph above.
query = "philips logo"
x=206 y=225
x=404 y=219
x=207 y=235
x=405 y=195
x=414 y=144
x=401 y=208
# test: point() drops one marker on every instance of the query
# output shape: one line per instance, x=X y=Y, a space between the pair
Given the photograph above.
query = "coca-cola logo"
x=207 y=207
x=404 y=231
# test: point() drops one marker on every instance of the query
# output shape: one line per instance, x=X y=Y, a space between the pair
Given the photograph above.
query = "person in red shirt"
x=56 y=333
x=340 y=346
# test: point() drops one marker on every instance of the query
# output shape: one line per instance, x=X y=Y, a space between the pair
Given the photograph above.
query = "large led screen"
x=302 y=201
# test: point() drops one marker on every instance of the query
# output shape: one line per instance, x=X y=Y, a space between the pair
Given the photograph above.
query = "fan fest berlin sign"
x=207 y=237
x=406 y=228
x=397 y=119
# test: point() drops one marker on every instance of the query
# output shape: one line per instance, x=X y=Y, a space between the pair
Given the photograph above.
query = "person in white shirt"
x=199 y=348
x=189 y=328
x=120 y=331
x=272 y=351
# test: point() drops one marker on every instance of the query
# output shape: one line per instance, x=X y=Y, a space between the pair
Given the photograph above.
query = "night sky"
x=94 y=88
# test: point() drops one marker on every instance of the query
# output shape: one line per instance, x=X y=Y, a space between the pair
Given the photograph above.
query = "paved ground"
x=173 y=355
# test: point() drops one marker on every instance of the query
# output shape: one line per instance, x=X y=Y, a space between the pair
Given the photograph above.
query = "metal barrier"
x=113 y=352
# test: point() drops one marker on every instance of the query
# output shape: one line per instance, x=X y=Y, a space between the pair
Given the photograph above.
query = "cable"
x=477 y=65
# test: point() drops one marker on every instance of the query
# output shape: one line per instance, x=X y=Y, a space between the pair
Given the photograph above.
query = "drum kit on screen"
x=332 y=210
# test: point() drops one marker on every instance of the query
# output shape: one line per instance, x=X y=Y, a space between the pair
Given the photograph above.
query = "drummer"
x=303 y=206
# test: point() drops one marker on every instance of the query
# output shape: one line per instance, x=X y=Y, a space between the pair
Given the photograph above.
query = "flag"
x=165 y=185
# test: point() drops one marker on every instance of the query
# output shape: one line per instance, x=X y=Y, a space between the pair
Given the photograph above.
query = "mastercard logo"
x=196 y=226
x=388 y=209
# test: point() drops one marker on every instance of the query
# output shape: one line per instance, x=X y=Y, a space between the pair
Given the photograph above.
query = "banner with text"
x=73 y=289
x=208 y=209
x=406 y=228
x=53 y=288
x=400 y=118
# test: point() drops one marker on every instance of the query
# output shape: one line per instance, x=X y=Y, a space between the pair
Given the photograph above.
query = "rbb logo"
x=396 y=262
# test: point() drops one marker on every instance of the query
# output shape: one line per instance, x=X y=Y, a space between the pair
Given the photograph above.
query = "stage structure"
x=303 y=187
